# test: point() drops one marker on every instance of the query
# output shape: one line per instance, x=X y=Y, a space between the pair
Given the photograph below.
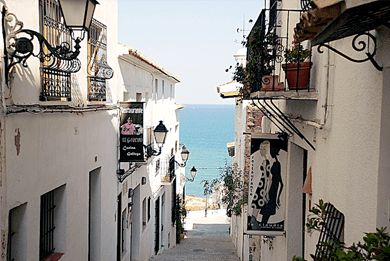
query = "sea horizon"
x=206 y=129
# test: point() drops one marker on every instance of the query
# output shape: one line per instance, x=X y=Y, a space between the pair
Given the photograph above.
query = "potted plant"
x=296 y=69
x=269 y=81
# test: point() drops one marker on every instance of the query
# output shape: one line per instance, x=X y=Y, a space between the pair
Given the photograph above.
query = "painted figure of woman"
x=261 y=193
x=275 y=189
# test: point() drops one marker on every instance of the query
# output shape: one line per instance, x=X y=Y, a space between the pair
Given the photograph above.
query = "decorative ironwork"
x=280 y=120
x=359 y=46
x=306 y=5
x=268 y=52
x=330 y=232
x=98 y=69
x=19 y=46
x=56 y=65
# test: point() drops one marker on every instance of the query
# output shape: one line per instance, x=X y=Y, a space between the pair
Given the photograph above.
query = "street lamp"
x=160 y=133
x=184 y=156
x=77 y=16
x=193 y=174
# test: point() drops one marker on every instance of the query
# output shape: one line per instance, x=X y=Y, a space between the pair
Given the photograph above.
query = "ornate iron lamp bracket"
x=18 y=47
x=358 y=46
x=182 y=165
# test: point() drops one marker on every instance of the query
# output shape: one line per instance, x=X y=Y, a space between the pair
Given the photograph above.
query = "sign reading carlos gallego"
x=266 y=199
x=131 y=132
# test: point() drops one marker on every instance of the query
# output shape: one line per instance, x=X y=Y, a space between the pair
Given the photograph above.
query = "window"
x=149 y=206
x=144 y=213
x=156 y=90
x=17 y=248
x=173 y=210
x=52 y=223
x=98 y=69
x=138 y=97
x=124 y=228
x=55 y=73
x=163 y=90
x=171 y=91
x=157 y=166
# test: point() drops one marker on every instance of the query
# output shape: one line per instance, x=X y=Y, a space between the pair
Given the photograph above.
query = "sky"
x=194 y=40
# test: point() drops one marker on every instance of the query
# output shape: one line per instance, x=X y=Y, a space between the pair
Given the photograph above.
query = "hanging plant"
x=263 y=52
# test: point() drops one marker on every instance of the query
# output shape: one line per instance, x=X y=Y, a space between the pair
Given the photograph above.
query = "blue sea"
x=205 y=130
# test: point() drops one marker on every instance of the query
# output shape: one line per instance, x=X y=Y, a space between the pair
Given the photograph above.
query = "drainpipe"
x=327 y=86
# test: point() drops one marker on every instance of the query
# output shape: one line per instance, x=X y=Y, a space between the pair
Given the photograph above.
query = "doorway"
x=157 y=226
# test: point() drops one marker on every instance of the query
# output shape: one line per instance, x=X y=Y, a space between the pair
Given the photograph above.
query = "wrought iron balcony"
x=276 y=66
x=169 y=174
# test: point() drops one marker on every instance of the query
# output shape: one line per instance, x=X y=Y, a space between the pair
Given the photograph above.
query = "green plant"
x=296 y=54
x=263 y=52
x=375 y=246
x=180 y=213
x=316 y=216
x=236 y=190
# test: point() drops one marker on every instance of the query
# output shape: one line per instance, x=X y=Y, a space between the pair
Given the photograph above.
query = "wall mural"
x=266 y=201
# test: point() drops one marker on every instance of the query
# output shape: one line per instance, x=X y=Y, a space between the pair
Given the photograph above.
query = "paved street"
x=208 y=240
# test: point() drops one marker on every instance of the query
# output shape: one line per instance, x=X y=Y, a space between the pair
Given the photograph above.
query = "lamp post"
x=160 y=133
x=184 y=156
x=193 y=174
x=19 y=42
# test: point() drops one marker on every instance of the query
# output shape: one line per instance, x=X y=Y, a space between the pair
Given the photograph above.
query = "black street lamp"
x=184 y=156
x=160 y=133
x=193 y=174
x=19 y=46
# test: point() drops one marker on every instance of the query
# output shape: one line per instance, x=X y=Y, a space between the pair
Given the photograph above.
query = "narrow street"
x=208 y=240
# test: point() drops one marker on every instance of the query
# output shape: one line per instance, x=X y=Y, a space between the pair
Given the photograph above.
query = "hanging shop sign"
x=266 y=199
x=131 y=132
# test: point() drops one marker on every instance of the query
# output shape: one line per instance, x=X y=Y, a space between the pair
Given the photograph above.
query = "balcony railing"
x=276 y=66
x=55 y=73
x=168 y=174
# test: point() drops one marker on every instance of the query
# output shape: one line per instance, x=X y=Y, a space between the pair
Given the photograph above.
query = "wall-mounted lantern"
x=184 y=156
x=160 y=133
x=19 y=42
x=193 y=174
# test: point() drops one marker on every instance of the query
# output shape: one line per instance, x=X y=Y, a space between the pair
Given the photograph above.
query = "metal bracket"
x=358 y=46
x=122 y=177
x=18 y=49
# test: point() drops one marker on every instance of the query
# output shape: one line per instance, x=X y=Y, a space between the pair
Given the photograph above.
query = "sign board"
x=266 y=199
x=131 y=132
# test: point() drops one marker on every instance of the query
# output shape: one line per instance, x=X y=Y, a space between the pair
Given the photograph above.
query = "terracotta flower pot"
x=292 y=75
x=271 y=83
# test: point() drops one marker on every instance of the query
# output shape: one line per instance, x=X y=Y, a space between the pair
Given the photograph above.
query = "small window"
x=149 y=206
x=52 y=219
x=163 y=90
x=157 y=166
x=98 y=69
x=55 y=73
x=156 y=90
x=17 y=248
x=144 y=213
x=171 y=91
x=124 y=228
x=138 y=97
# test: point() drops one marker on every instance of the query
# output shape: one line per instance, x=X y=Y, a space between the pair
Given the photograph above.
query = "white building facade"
x=154 y=202
x=63 y=195
x=337 y=127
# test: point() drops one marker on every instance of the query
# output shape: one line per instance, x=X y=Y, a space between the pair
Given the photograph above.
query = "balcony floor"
x=287 y=95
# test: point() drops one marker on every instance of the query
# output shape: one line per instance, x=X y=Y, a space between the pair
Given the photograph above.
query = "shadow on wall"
x=77 y=98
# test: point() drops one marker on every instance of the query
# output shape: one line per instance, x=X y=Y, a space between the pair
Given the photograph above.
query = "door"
x=157 y=226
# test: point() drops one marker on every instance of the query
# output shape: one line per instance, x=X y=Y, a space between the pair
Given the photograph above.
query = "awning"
x=336 y=19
